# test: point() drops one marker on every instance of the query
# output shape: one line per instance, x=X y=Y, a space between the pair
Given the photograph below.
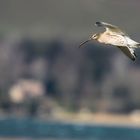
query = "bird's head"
x=93 y=37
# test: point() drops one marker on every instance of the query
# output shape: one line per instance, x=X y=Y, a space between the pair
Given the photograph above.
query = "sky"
x=68 y=18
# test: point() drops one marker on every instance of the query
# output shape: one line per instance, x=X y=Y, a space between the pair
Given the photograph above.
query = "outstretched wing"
x=110 y=27
x=128 y=52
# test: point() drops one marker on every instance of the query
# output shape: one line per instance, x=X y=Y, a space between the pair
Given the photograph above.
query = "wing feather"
x=110 y=28
x=128 y=52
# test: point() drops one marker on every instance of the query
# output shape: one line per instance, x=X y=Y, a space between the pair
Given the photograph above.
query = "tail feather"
x=138 y=45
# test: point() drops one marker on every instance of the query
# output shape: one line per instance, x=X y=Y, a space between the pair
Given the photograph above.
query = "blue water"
x=57 y=130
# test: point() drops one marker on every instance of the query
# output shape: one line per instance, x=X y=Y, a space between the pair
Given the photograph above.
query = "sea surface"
x=28 y=128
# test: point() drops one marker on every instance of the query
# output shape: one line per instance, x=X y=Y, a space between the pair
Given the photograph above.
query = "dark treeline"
x=97 y=78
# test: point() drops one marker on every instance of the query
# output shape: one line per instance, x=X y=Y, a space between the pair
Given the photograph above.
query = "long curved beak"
x=84 y=42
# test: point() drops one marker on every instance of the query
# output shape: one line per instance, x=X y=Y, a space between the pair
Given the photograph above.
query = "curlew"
x=116 y=37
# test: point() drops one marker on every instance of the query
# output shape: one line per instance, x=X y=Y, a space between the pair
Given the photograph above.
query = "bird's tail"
x=138 y=45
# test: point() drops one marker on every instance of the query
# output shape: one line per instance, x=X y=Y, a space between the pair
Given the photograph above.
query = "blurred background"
x=45 y=76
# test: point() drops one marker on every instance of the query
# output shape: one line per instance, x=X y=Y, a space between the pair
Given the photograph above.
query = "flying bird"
x=116 y=37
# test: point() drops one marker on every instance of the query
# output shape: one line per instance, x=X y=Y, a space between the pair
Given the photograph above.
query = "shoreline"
x=83 y=118
x=107 y=119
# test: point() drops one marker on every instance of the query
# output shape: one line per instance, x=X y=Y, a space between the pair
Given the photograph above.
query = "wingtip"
x=134 y=57
x=98 y=23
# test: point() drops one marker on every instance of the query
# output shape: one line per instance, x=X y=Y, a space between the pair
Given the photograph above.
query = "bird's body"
x=114 y=36
x=116 y=40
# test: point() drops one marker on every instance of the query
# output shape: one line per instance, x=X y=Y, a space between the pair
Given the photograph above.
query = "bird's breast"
x=117 y=40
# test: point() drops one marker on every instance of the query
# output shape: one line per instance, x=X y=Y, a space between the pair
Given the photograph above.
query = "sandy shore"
x=132 y=119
